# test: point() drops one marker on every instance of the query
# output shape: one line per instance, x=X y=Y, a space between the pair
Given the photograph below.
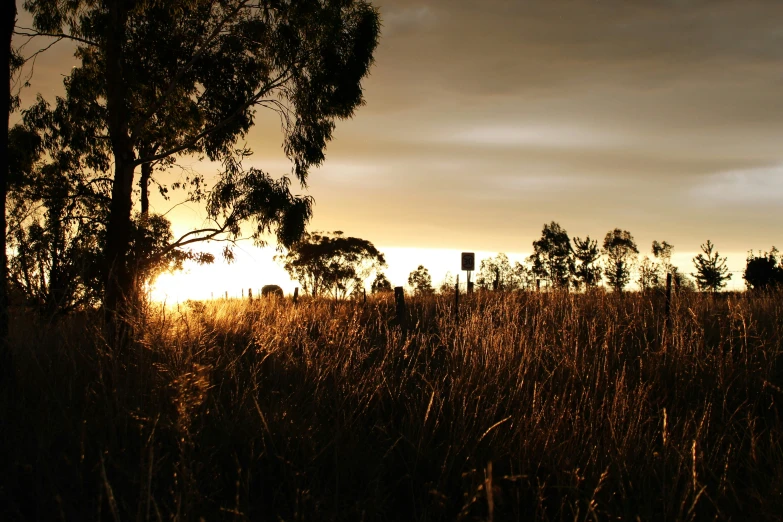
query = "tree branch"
x=185 y=67
x=206 y=132
x=34 y=33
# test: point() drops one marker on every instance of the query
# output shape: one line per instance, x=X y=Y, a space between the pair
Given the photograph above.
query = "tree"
x=161 y=79
x=649 y=274
x=711 y=271
x=331 y=263
x=763 y=271
x=420 y=281
x=620 y=250
x=9 y=13
x=448 y=284
x=552 y=257
x=381 y=284
x=497 y=269
x=587 y=272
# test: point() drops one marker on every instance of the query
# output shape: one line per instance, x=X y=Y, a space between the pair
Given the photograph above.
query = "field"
x=533 y=406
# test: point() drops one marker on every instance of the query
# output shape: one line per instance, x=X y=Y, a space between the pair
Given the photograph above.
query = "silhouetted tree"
x=331 y=263
x=763 y=271
x=209 y=67
x=649 y=274
x=381 y=284
x=587 y=272
x=9 y=13
x=421 y=281
x=620 y=251
x=498 y=268
x=711 y=271
x=552 y=258
x=448 y=284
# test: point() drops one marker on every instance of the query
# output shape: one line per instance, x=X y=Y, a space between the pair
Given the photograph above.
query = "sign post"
x=469 y=265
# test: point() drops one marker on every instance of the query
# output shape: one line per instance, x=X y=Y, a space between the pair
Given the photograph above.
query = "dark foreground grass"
x=533 y=407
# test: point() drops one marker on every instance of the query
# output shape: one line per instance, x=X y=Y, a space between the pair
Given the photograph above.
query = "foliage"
x=587 y=271
x=552 y=257
x=499 y=268
x=650 y=274
x=381 y=284
x=448 y=284
x=161 y=79
x=763 y=271
x=620 y=250
x=421 y=281
x=711 y=271
x=331 y=263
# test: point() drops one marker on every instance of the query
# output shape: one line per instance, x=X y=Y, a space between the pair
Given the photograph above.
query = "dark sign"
x=468 y=261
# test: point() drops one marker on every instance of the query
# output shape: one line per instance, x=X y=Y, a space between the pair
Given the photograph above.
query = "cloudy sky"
x=486 y=119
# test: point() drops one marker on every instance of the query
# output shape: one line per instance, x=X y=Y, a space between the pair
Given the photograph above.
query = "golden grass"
x=549 y=406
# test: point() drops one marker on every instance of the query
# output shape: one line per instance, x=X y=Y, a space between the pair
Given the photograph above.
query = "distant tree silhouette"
x=272 y=291
x=552 y=258
x=381 y=284
x=649 y=274
x=763 y=271
x=587 y=271
x=509 y=277
x=447 y=286
x=421 y=281
x=331 y=263
x=711 y=271
x=620 y=251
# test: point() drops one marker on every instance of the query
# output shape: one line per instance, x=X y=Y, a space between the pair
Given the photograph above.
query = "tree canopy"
x=421 y=281
x=587 y=271
x=763 y=271
x=552 y=257
x=711 y=271
x=160 y=79
x=620 y=250
x=331 y=263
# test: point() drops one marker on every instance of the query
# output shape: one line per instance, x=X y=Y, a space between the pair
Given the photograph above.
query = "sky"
x=485 y=120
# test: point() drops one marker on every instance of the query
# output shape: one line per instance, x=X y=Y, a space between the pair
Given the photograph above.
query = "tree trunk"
x=119 y=282
x=146 y=173
x=5 y=95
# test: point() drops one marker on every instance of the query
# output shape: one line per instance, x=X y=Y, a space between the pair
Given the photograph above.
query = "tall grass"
x=533 y=406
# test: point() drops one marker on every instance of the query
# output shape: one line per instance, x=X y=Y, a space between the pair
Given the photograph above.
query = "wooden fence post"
x=226 y=295
x=250 y=294
x=496 y=284
x=399 y=298
x=456 y=300
x=296 y=294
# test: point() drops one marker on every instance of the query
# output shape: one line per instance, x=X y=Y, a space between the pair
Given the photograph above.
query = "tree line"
x=336 y=265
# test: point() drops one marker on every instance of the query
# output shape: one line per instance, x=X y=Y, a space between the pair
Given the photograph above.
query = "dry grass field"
x=533 y=406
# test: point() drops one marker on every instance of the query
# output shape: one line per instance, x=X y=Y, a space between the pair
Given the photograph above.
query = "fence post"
x=226 y=295
x=250 y=294
x=496 y=285
x=296 y=294
x=364 y=290
x=399 y=298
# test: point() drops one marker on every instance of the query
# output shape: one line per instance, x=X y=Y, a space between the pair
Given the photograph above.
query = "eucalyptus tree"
x=552 y=258
x=421 y=281
x=620 y=250
x=158 y=80
x=332 y=263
